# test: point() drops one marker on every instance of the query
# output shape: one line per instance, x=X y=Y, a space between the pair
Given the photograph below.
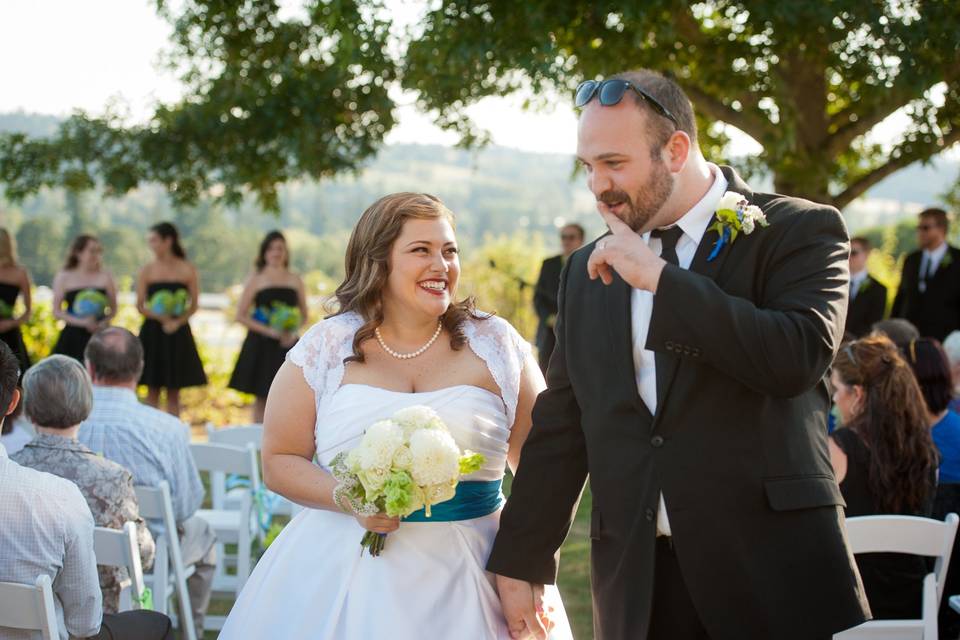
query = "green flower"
x=471 y=462
x=6 y=311
x=285 y=318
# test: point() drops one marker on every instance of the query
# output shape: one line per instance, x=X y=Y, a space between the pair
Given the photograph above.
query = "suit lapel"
x=620 y=324
x=710 y=269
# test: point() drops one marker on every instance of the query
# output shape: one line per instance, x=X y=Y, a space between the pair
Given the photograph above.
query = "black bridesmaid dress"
x=73 y=340
x=13 y=337
x=261 y=356
x=169 y=360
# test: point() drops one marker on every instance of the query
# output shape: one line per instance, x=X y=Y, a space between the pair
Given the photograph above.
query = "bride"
x=399 y=339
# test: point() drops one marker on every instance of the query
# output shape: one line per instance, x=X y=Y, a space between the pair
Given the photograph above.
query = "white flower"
x=731 y=200
x=746 y=225
x=752 y=216
x=378 y=446
x=438 y=493
x=417 y=417
x=436 y=458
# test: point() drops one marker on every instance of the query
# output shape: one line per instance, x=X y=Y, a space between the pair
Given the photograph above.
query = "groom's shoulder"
x=790 y=214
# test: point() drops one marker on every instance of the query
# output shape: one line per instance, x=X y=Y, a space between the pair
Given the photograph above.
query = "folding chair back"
x=118 y=548
x=29 y=607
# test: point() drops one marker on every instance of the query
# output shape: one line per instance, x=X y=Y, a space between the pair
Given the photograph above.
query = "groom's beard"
x=644 y=205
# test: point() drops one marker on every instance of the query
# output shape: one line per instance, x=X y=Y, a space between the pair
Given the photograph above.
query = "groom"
x=688 y=382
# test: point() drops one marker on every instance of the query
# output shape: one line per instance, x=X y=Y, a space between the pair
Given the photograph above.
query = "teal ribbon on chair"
x=473 y=499
x=264 y=500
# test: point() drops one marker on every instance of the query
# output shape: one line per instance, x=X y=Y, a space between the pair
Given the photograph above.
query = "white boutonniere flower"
x=734 y=216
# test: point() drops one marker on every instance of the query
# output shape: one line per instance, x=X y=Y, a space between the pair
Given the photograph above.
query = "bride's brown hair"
x=367 y=269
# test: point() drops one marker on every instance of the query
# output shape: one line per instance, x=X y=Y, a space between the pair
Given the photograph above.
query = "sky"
x=60 y=55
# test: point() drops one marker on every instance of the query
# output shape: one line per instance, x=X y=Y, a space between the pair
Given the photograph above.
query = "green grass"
x=573 y=580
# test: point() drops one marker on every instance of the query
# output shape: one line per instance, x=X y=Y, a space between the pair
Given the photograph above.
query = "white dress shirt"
x=856 y=280
x=694 y=224
x=46 y=528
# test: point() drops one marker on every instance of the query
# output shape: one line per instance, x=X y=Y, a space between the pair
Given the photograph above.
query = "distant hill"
x=495 y=190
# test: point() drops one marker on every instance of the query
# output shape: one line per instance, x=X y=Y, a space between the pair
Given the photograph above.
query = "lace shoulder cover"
x=320 y=353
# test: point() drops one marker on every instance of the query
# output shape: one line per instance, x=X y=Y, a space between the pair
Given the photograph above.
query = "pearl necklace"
x=412 y=354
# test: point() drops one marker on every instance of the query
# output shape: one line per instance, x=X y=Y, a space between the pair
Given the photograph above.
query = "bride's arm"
x=288 y=443
x=531 y=384
x=288 y=448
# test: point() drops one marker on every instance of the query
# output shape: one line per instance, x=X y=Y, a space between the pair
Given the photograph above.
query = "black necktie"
x=668 y=243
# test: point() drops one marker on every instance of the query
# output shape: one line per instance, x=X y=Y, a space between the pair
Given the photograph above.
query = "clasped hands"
x=524 y=609
x=625 y=252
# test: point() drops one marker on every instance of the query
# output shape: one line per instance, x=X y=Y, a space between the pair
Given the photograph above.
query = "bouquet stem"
x=373 y=542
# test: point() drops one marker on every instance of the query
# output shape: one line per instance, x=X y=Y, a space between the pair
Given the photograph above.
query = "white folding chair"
x=912 y=535
x=222 y=498
x=230 y=525
x=118 y=548
x=155 y=504
x=29 y=607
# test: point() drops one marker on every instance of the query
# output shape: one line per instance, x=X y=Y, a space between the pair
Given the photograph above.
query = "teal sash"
x=474 y=499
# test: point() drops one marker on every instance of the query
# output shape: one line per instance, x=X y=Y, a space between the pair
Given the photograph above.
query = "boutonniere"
x=863 y=286
x=734 y=216
x=945 y=261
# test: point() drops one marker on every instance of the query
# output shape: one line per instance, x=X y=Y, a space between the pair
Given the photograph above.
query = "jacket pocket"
x=594 y=523
x=802 y=492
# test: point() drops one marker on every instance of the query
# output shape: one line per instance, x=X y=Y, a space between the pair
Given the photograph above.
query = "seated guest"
x=951 y=345
x=46 y=528
x=932 y=369
x=57 y=398
x=900 y=331
x=151 y=444
x=885 y=461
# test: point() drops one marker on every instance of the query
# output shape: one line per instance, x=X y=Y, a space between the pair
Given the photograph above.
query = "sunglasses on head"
x=611 y=92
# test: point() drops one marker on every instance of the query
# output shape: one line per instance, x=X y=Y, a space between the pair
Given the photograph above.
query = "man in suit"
x=929 y=293
x=688 y=382
x=868 y=298
x=545 y=294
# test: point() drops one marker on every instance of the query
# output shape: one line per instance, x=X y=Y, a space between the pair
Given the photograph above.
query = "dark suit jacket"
x=866 y=308
x=738 y=446
x=545 y=297
x=935 y=312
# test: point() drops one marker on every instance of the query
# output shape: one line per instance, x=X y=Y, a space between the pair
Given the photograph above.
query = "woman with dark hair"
x=14 y=283
x=885 y=462
x=399 y=339
x=84 y=296
x=167 y=292
x=272 y=307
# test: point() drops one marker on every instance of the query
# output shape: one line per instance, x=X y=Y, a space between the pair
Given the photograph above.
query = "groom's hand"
x=522 y=607
x=625 y=252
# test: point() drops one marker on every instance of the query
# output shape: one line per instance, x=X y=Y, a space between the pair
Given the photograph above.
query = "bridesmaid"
x=14 y=281
x=167 y=293
x=272 y=306
x=90 y=295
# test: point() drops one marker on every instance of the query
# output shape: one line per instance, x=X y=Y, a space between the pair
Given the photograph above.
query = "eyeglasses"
x=611 y=92
x=925 y=227
x=569 y=236
x=855 y=252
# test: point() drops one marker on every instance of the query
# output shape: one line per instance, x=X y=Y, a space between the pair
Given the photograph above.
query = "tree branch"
x=848 y=130
x=751 y=125
x=857 y=187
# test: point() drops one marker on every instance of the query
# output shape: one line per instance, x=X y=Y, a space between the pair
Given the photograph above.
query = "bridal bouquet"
x=401 y=465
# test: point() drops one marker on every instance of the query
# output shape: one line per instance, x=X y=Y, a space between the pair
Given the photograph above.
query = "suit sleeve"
x=545 y=300
x=550 y=478
x=782 y=346
x=897 y=310
x=878 y=304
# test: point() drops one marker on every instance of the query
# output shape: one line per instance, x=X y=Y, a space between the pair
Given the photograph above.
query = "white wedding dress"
x=430 y=581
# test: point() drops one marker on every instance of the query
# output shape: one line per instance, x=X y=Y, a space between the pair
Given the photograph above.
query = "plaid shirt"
x=46 y=528
x=152 y=444
x=108 y=490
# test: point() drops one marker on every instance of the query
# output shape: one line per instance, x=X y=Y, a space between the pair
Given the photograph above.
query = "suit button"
x=657 y=441
x=696 y=353
x=668 y=345
x=648 y=514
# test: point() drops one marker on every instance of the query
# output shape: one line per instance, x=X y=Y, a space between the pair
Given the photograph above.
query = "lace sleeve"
x=321 y=350
x=504 y=351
